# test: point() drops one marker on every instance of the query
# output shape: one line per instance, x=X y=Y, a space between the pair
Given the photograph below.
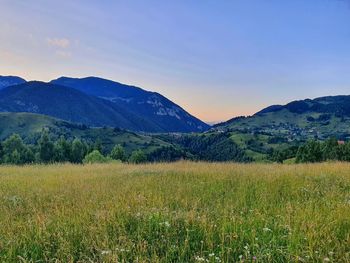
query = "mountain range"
x=97 y=102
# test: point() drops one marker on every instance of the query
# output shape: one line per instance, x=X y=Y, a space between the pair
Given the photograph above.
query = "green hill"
x=278 y=127
x=29 y=126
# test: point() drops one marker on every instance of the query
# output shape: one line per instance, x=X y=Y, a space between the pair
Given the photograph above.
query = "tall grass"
x=180 y=212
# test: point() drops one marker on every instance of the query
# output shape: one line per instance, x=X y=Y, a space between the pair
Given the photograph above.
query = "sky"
x=215 y=58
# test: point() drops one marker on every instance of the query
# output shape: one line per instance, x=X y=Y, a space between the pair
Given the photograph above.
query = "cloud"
x=63 y=54
x=58 y=42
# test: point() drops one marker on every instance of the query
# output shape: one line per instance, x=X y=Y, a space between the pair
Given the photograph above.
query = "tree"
x=62 y=150
x=1 y=152
x=95 y=157
x=98 y=145
x=78 y=151
x=118 y=153
x=138 y=156
x=16 y=152
x=166 y=154
x=329 y=149
x=309 y=153
x=46 y=148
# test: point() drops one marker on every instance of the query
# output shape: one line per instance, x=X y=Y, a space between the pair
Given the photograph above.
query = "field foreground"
x=180 y=212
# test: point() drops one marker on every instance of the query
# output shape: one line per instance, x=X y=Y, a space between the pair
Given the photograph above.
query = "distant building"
x=341 y=142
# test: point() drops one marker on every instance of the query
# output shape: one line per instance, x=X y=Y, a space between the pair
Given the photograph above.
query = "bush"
x=138 y=157
x=95 y=157
x=118 y=153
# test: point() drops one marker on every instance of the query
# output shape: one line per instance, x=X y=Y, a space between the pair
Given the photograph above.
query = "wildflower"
x=266 y=229
x=122 y=250
x=326 y=260
x=105 y=252
x=166 y=224
x=211 y=255
x=300 y=259
x=254 y=258
x=200 y=259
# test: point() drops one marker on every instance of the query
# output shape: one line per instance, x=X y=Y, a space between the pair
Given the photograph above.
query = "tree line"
x=329 y=150
x=14 y=151
x=315 y=151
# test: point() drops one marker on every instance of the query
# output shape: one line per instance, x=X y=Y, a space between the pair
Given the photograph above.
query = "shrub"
x=138 y=156
x=95 y=157
x=118 y=153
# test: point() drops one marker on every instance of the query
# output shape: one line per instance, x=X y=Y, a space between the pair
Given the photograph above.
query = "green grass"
x=180 y=212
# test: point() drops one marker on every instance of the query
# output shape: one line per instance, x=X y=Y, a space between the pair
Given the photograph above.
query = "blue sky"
x=217 y=59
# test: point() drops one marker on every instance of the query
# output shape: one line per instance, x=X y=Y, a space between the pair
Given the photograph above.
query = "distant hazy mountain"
x=151 y=106
x=6 y=81
x=71 y=105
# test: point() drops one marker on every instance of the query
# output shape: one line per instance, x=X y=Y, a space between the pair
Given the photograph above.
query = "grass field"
x=180 y=212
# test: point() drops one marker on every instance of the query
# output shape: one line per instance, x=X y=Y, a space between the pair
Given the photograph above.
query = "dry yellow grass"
x=179 y=212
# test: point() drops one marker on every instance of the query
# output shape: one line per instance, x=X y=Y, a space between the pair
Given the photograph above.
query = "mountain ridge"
x=68 y=104
x=6 y=81
x=148 y=104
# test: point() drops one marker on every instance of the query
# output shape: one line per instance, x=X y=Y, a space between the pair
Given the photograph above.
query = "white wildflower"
x=200 y=259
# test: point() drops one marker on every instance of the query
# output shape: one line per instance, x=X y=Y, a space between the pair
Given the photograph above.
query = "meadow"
x=178 y=212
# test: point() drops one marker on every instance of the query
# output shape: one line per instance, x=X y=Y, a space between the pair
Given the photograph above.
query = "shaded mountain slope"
x=148 y=105
x=6 y=81
x=71 y=105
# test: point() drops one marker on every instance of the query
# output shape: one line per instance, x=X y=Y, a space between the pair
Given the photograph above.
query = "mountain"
x=282 y=126
x=70 y=105
x=30 y=125
x=338 y=105
x=149 y=105
x=6 y=81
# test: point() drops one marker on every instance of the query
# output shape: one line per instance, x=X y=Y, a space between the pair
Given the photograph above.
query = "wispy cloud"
x=63 y=54
x=58 y=42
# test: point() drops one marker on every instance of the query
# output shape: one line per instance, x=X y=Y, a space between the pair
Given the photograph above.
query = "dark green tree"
x=98 y=145
x=330 y=149
x=62 y=150
x=79 y=150
x=46 y=148
x=311 y=152
x=16 y=152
